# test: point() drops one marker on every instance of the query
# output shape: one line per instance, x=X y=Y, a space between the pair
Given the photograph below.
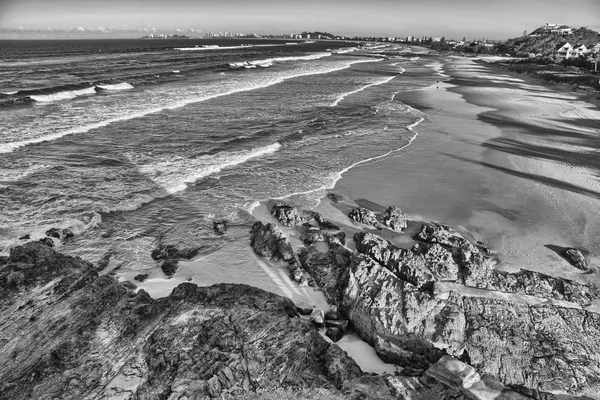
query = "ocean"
x=131 y=143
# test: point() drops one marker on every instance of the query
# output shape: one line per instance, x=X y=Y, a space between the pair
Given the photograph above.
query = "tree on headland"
x=443 y=39
x=525 y=33
x=464 y=39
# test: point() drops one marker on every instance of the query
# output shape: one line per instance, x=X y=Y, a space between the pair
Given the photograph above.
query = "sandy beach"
x=502 y=158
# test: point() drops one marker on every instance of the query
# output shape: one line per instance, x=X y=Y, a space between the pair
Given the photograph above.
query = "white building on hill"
x=564 y=52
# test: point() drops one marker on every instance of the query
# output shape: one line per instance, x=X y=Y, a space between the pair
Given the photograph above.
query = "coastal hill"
x=546 y=43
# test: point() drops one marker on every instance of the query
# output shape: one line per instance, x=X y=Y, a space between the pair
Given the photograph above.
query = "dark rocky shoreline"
x=456 y=328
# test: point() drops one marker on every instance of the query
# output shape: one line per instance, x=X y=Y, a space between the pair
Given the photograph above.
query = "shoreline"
x=463 y=120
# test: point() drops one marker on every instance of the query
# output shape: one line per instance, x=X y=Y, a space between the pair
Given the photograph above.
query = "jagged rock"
x=340 y=367
x=129 y=285
x=334 y=334
x=53 y=232
x=304 y=308
x=268 y=241
x=522 y=343
x=141 y=277
x=25 y=237
x=104 y=261
x=394 y=218
x=47 y=241
x=364 y=216
x=67 y=233
x=336 y=198
x=453 y=373
x=169 y=266
x=93 y=338
x=220 y=227
x=60 y=234
x=323 y=223
x=317 y=317
x=341 y=324
x=576 y=258
x=287 y=215
x=170 y=252
x=327 y=269
x=292 y=217
x=421 y=265
x=299 y=275
x=333 y=313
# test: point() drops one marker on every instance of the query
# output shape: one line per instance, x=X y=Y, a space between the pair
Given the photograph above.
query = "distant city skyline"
x=450 y=18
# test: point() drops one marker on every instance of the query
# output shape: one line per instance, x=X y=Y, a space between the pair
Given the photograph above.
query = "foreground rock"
x=395 y=219
x=67 y=332
x=290 y=216
x=365 y=216
x=268 y=241
x=170 y=256
x=443 y=297
x=576 y=258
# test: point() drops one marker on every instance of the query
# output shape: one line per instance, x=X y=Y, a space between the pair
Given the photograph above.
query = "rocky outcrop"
x=287 y=215
x=66 y=332
x=576 y=258
x=364 y=216
x=220 y=227
x=398 y=301
x=290 y=216
x=394 y=218
x=170 y=256
x=268 y=241
x=336 y=198
x=60 y=234
x=421 y=266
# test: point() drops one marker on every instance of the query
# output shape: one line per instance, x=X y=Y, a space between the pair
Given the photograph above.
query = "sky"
x=499 y=19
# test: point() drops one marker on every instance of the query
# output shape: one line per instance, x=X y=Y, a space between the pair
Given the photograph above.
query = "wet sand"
x=505 y=160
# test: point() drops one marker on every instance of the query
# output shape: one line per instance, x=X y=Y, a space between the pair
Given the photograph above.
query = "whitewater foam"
x=174 y=175
x=116 y=86
x=64 y=95
x=12 y=146
x=332 y=180
x=344 y=95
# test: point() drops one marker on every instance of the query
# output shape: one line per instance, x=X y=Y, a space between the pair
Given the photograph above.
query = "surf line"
x=344 y=95
x=339 y=174
x=12 y=146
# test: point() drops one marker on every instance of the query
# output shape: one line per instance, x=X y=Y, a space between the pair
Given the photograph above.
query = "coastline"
x=462 y=171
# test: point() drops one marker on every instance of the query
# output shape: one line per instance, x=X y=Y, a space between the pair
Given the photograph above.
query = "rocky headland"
x=455 y=327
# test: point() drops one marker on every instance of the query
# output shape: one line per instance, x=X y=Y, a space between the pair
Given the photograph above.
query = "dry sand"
x=503 y=159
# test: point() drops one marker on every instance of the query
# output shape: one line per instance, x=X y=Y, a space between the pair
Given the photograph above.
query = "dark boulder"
x=67 y=233
x=54 y=232
x=169 y=251
x=576 y=258
x=287 y=215
x=304 y=308
x=46 y=241
x=336 y=198
x=333 y=313
x=317 y=317
x=334 y=334
x=364 y=216
x=141 y=277
x=268 y=241
x=341 y=324
x=25 y=237
x=169 y=267
x=324 y=224
x=104 y=261
x=394 y=218
x=60 y=234
x=220 y=227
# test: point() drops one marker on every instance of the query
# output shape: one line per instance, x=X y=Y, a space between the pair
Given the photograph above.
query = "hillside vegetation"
x=547 y=44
